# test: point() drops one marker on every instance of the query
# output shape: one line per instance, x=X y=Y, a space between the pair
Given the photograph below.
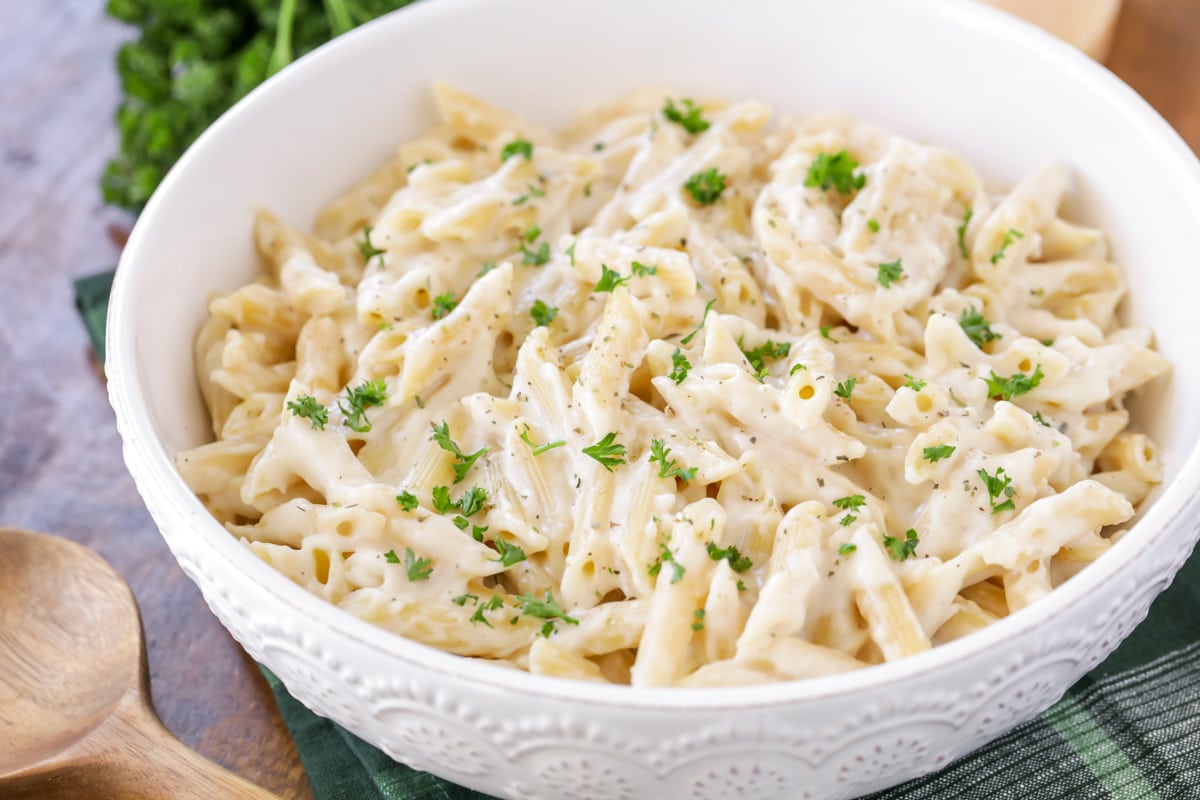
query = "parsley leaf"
x=916 y=384
x=679 y=366
x=845 y=388
x=901 y=549
x=703 y=317
x=443 y=304
x=487 y=267
x=962 y=233
x=873 y=225
x=846 y=548
x=889 y=273
x=737 y=561
x=1037 y=415
x=641 y=270
x=698 y=625
x=531 y=191
x=1010 y=236
x=545 y=608
x=977 y=329
x=1018 y=384
x=851 y=502
x=518 y=147
x=609 y=280
x=668 y=468
x=538 y=449
x=391 y=557
x=407 y=501
x=847 y=520
x=836 y=171
x=490 y=605
x=308 y=407
x=543 y=314
x=509 y=553
x=360 y=398
x=937 y=453
x=824 y=329
x=758 y=356
x=688 y=117
x=369 y=250
x=607 y=452
x=998 y=486
x=419 y=569
x=667 y=557
x=462 y=599
x=462 y=461
x=705 y=187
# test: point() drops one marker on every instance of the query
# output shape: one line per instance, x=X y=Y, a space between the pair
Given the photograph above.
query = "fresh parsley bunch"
x=193 y=59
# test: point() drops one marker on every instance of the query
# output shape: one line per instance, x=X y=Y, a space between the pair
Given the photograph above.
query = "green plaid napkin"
x=1129 y=730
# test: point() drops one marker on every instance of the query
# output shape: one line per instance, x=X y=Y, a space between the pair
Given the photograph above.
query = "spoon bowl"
x=75 y=713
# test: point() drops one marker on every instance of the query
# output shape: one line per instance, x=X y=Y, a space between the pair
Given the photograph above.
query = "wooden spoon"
x=75 y=713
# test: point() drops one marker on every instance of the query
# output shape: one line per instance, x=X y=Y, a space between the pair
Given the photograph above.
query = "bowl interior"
x=999 y=92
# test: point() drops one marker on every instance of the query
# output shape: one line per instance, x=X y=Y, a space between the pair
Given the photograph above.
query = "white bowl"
x=1001 y=92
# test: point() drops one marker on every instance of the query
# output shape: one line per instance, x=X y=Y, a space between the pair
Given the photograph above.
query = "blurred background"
x=97 y=100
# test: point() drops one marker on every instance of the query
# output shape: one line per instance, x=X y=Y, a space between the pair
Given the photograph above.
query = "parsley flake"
x=937 y=453
x=407 y=501
x=609 y=280
x=307 y=406
x=901 y=549
x=916 y=384
x=510 y=554
x=419 y=569
x=359 y=399
x=518 y=147
x=688 y=117
x=758 y=356
x=538 y=449
x=705 y=187
x=462 y=461
x=889 y=273
x=545 y=608
x=531 y=191
x=679 y=366
x=873 y=225
x=1010 y=236
x=641 y=270
x=668 y=468
x=998 y=486
x=977 y=329
x=737 y=561
x=391 y=557
x=846 y=548
x=836 y=171
x=443 y=304
x=1014 y=386
x=698 y=625
x=368 y=250
x=543 y=314
x=703 y=317
x=962 y=233
x=667 y=557
x=845 y=388
x=607 y=452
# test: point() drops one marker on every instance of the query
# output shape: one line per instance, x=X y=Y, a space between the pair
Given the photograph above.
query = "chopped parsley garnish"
x=703 y=317
x=307 y=406
x=509 y=553
x=901 y=549
x=846 y=548
x=538 y=449
x=873 y=225
x=977 y=329
x=369 y=250
x=359 y=399
x=962 y=233
x=1014 y=386
x=536 y=257
x=543 y=314
x=688 y=116
x=737 y=561
x=443 y=304
x=824 y=329
x=519 y=147
x=705 y=187
x=679 y=366
x=419 y=569
x=889 y=273
x=462 y=461
x=607 y=452
x=1010 y=236
x=667 y=557
x=487 y=267
x=407 y=501
x=845 y=388
x=938 y=452
x=916 y=384
x=440 y=497
x=851 y=502
x=489 y=605
x=698 y=625
x=470 y=503
x=531 y=191
x=641 y=270
x=1037 y=415
x=836 y=171
x=462 y=599
x=545 y=608
x=797 y=367
x=391 y=557
x=847 y=520
x=609 y=279
x=998 y=487
x=668 y=468
x=758 y=356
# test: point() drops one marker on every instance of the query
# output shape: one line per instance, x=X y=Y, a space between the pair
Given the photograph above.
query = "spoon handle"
x=130 y=756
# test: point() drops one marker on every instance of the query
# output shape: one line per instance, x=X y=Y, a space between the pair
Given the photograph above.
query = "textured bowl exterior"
x=521 y=736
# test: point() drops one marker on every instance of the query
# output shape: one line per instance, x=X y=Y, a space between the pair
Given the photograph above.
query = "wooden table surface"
x=60 y=458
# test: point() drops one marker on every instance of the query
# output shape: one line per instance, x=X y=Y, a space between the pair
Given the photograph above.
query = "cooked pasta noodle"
x=682 y=395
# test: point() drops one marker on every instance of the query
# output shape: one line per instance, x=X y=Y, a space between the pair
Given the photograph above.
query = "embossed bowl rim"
x=132 y=314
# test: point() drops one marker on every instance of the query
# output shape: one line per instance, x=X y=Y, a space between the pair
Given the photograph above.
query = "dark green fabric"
x=1130 y=730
